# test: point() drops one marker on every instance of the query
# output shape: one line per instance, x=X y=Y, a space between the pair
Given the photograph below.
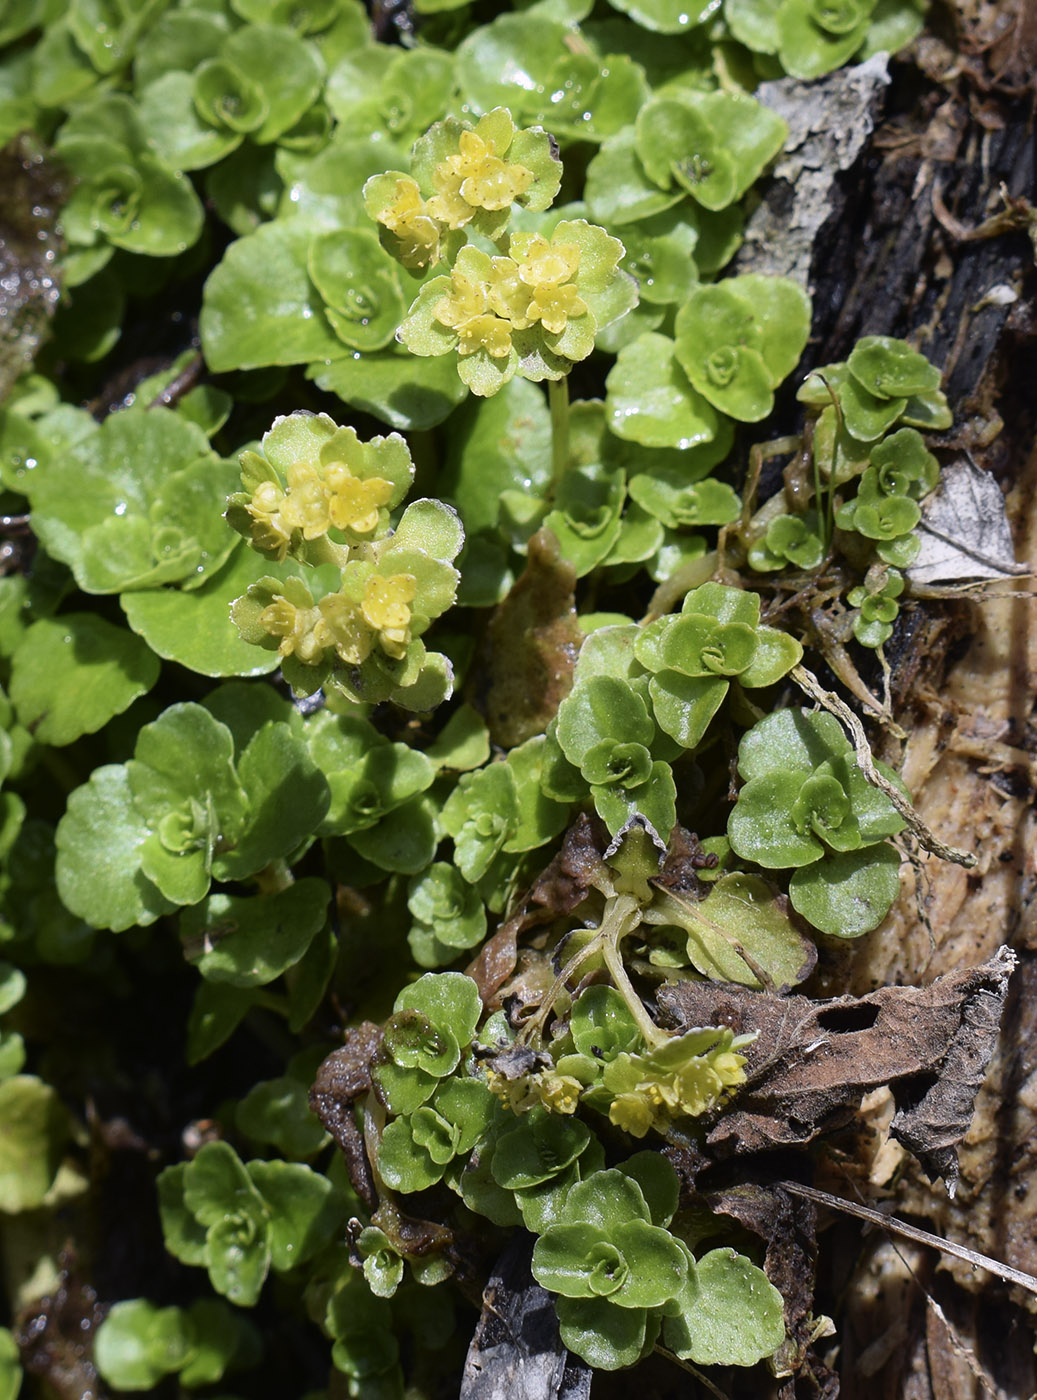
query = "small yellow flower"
x=508 y=294
x=548 y=269
x=386 y=608
x=342 y=626
x=465 y=300
x=295 y=626
x=543 y=263
x=270 y=531
x=559 y=1093
x=466 y=309
x=306 y=506
x=519 y=1095
x=355 y=504
x=632 y=1113
x=408 y=217
x=475 y=178
x=552 y=307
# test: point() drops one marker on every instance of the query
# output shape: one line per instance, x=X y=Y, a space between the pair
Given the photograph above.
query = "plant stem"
x=622 y=916
x=558 y=400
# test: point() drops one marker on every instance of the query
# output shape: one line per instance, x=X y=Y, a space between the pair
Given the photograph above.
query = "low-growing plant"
x=398 y=739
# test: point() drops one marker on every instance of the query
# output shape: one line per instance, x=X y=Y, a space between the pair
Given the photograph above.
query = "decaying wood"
x=516 y=1352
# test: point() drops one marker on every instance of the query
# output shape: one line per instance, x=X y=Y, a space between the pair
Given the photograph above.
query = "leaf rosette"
x=738 y=339
x=695 y=655
x=807 y=804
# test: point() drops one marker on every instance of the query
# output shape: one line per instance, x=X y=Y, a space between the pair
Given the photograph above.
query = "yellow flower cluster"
x=535 y=284
x=559 y=1093
x=383 y=618
x=317 y=497
x=651 y=1090
x=475 y=178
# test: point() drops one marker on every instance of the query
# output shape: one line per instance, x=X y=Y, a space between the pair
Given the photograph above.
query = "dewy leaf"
x=94 y=505
x=305 y=1210
x=194 y=627
x=71 y=674
x=650 y=400
x=99 y=841
x=259 y=306
x=964 y=530
x=247 y=942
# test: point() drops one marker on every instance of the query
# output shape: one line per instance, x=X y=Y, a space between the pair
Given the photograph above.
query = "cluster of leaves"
x=388 y=231
x=498 y=1120
x=864 y=419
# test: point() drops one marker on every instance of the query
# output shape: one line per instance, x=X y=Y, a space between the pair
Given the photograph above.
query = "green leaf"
x=665 y=16
x=601 y=708
x=650 y=400
x=137 y=1344
x=259 y=306
x=791 y=740
x=730 y=1313
x=742 y=912
x=360 y=285
x=99 y=842
x=217 y=1012
x=890 y=368
x=71 y=674
x=131 y=505
x=684 y=705
x=277 y=1111
x=606 y=1337
x=217 y=1186
x=184 y=1235
x=850 y=893
x=287 y=798
x=33 y=1131
x=249 y=941
x=10 y=1370
x=305 y=1210
x=407 y=393
x=286 y=69
x=238 y=1259
x=194 y=628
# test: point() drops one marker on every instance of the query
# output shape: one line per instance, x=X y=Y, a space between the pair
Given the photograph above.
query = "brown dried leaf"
x=342 y=1077
x=532 y=642
x=813 y=1061
x=560 y=887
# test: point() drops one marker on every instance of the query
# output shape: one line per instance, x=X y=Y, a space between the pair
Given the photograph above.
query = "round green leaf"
x=72 y=673
x=248 y=941
x=650 y=400
x=848 y=894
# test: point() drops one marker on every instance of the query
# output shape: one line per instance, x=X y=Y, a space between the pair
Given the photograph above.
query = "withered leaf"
x=343 y=1076
x=964 y=530
x=561 y=886
x=516 y=1352
x=531 y=645
x=813 y=1061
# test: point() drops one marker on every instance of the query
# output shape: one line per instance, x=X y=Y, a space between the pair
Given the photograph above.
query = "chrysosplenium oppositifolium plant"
x=452 y=684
